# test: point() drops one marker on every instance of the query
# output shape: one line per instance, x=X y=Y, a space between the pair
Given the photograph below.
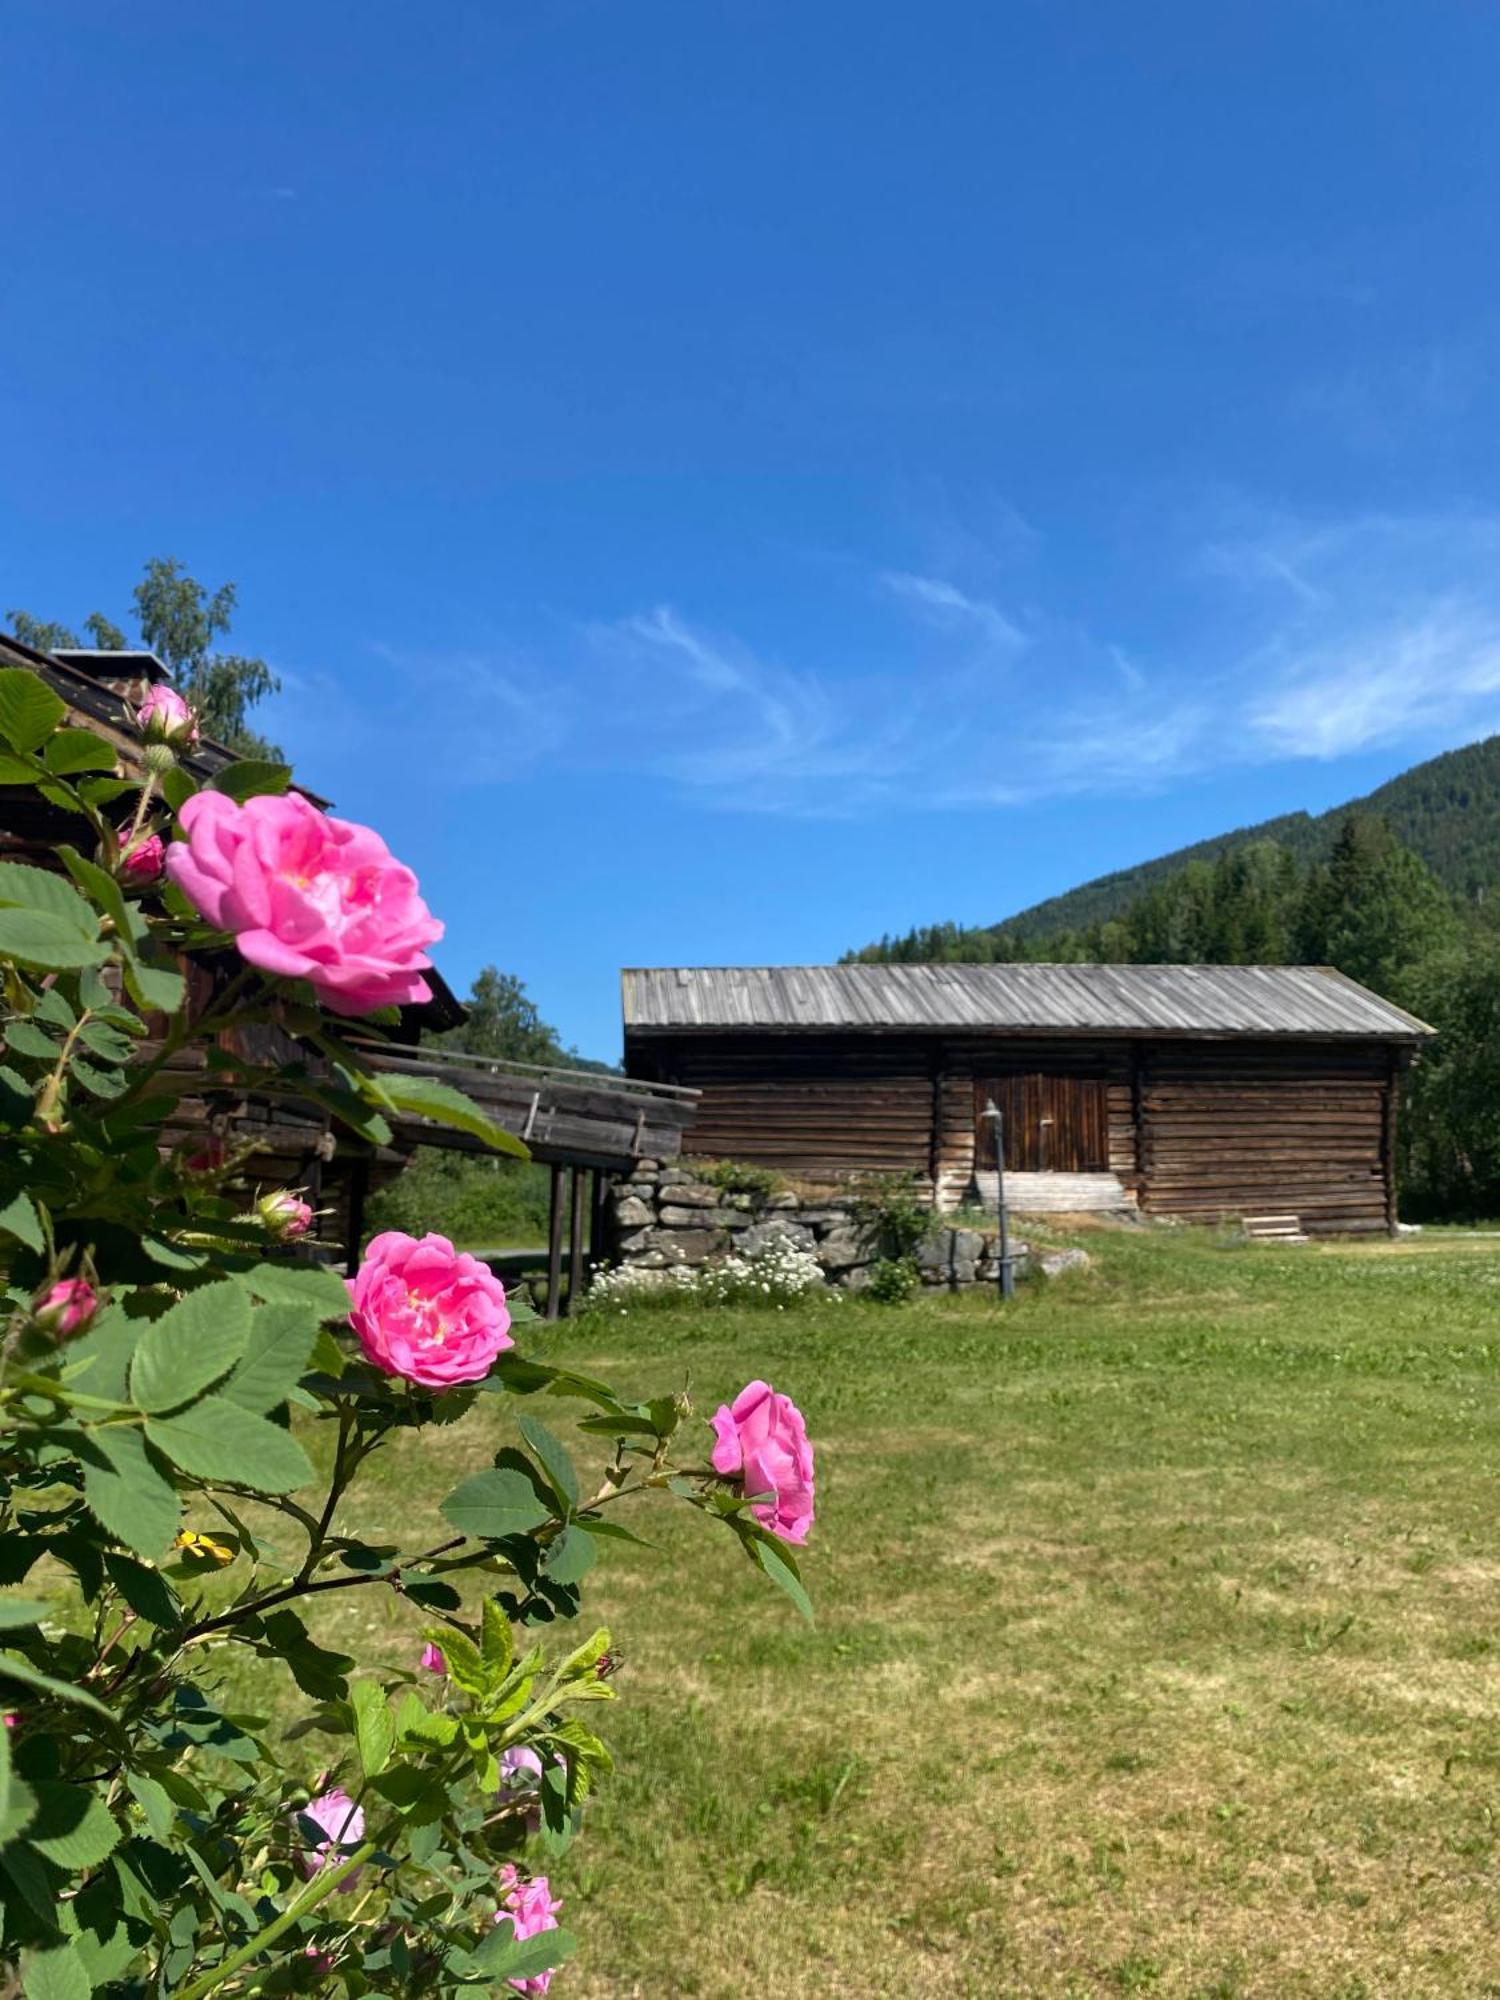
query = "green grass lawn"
x=1157 y=1647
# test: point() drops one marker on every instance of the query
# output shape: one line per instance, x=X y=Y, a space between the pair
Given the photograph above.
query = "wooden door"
x=1053 y=1124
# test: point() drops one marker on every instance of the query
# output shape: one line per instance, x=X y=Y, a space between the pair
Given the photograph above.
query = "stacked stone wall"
x=666 y=1215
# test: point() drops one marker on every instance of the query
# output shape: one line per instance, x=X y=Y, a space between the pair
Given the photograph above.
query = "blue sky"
x=722 y=480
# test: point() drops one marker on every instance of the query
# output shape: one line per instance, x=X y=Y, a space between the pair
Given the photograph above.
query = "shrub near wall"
x=173 y=1369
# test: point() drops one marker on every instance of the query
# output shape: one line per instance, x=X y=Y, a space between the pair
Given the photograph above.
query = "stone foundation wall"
x=665 y=1215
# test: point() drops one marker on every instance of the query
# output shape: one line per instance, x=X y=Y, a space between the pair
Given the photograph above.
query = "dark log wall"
x=805 y=1105
x=1198 y=1130
x=1244 y=1128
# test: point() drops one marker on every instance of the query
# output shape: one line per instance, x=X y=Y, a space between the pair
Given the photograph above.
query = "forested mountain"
x=1447 y=811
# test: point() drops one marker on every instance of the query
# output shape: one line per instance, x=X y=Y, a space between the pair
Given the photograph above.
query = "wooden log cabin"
x=1200 y=1092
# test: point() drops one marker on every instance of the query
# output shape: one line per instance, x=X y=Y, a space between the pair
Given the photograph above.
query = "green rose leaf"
x=190 y=1347
x=216 y=1439
x=127 y=1493
x=74 y=750
x=45 y=942
x=154 y=987
x=19 y=1218
x=553 y=1458
x=570 y=1557
x=13 y=1667
x=18 y=1611
x=248 y=777
x=781 y=1567
x=73 y=1826
x=58 y=1974
x=275 y=1358
x=423 y=1097
x=37 y=889
x=146 y=1591
x=504 y=1956
x=374 y=1727
x=29 y=710
x=24 y=1038
x=105 y=890
x=495 y=1504
x=301 y=1284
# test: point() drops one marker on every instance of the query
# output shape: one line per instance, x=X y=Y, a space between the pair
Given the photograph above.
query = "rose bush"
x=188 y=1397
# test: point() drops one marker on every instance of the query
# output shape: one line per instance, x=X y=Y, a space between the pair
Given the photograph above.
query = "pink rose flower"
x=336 y=1815
x=307 y=896
x=286 y=1215
x=428 y=1312
x=432 y=1661
x=164 y=717
x=144 y=860
x=762 y=1442
x=66 y=1307
x=531 y=1907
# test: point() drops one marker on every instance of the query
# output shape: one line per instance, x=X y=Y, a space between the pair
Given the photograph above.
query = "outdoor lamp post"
x=996 y=1118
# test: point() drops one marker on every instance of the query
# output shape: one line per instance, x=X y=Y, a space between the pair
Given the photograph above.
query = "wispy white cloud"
x=950 y=609
x=1291 y=639
x=1382 y=630
x=1435 y=673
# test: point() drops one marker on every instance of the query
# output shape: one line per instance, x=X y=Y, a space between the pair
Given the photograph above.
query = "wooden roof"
x=1273 y=1001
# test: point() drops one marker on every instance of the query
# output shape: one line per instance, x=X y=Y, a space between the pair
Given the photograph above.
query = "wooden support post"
x=359 y=1189
x=1390 y=1111
x=1145 y=1140
x=575 y=1239
x=1137 y=1114
x=935 y=1136
x=554 y=1245
x=598 y=1220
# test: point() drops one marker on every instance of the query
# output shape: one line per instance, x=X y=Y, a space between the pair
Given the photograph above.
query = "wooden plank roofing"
x=1274 y=1001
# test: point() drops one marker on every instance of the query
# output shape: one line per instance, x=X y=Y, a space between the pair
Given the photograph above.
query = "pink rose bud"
x=144 y=860
x=11 y=1717
x=334 y=1814
x=428 y=1312
x=210 y=1156
x=531 y=1907
x=164 y=717
x=285 y=1215
x=66 y=1308
x=762 y=1444
x=432 y=1661
x=307 y=896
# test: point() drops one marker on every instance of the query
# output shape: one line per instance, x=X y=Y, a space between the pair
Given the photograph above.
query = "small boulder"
x=1056 y=1263
x=685 y=1246
x=691 y=1194
x=760 y=1235
x=841 y=1248
x=631 y=1212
